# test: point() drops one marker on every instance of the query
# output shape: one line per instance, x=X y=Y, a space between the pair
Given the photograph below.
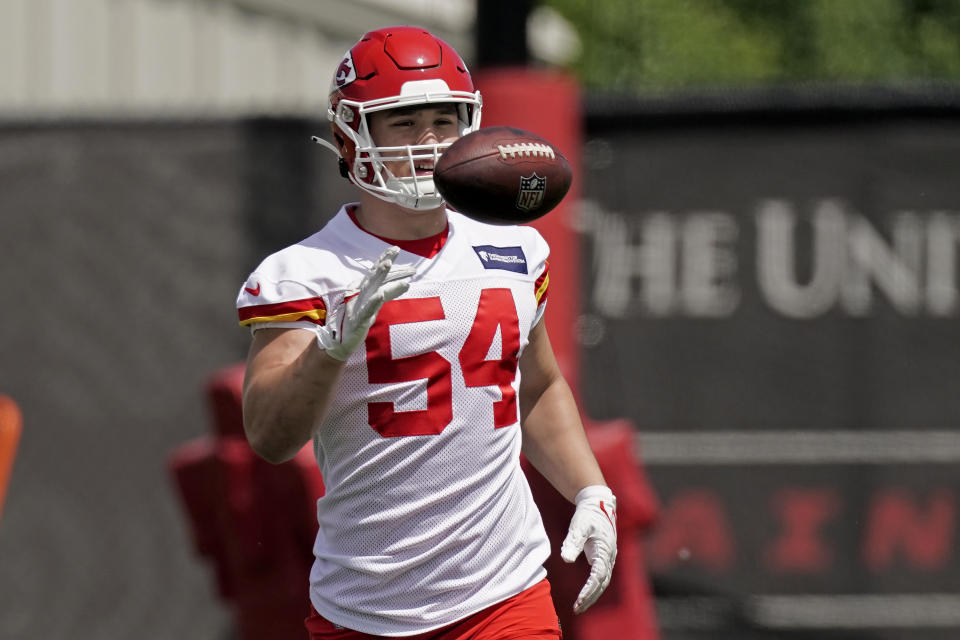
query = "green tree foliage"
x=655 y=45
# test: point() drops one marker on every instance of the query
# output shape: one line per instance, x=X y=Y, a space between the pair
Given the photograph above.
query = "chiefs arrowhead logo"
x=346 y=72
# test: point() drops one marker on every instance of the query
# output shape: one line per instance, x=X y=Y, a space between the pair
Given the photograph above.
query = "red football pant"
x=529 y=615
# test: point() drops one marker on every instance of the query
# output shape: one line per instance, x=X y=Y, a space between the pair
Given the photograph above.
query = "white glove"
x=593 y=530
x=342 y=333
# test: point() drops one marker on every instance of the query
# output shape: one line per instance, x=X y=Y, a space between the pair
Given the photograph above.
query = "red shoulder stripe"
x=541 y=287
x=309 y=309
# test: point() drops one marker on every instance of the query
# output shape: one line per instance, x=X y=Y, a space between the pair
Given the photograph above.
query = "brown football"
x=502 y=175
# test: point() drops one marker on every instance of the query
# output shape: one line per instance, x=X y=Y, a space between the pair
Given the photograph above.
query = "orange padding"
x=11 y=423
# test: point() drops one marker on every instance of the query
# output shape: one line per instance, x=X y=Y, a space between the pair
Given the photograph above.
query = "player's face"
x=414 y=126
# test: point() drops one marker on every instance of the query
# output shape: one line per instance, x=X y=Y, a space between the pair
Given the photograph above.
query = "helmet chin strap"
x=418 y=203
x=412 y=195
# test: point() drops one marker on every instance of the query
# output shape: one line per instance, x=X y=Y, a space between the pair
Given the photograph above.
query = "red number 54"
x=495 y=309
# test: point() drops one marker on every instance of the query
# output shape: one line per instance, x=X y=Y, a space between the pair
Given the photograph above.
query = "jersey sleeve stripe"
x=542 y=285
x=310 y=309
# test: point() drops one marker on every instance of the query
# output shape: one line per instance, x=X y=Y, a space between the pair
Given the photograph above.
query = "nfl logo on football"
x=531 y=192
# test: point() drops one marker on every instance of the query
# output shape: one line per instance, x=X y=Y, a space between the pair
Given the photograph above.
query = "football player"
x=407 y=342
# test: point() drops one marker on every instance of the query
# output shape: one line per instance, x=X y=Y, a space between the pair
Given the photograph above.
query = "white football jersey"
x=427 y=516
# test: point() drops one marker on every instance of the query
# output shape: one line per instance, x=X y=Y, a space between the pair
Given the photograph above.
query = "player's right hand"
x=348 y=326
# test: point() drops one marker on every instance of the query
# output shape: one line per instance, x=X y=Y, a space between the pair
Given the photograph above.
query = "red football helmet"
x=386 y=69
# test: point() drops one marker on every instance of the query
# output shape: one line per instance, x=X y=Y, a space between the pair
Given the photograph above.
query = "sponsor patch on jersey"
x=506 y=258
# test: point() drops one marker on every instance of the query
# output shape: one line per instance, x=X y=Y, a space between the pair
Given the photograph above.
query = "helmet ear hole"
x=344 y=169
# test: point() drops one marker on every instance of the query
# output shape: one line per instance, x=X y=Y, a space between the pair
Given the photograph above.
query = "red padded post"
x=548 y=104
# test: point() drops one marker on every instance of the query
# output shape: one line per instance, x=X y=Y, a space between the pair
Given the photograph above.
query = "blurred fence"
x=770 y=295
x=122 y=247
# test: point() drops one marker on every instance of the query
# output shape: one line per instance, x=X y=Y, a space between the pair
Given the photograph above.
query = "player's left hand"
x=593 y=530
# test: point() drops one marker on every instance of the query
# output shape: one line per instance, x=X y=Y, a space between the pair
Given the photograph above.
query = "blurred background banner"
x=767 y=229
x=772 y=298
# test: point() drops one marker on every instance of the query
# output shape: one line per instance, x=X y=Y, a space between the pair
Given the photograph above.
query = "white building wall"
x=160 y=58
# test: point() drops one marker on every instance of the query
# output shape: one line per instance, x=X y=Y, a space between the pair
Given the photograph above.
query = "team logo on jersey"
x=530 y=195
x=506 y=258
x=346 y=72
